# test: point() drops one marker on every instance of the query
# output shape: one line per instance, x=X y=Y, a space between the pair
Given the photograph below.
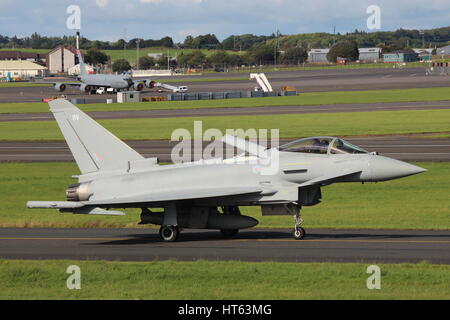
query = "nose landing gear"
x=299 y=232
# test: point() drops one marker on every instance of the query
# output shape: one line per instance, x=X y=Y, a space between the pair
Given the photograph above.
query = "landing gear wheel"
x=229 y=232
x=169 y=233
x=299 y=233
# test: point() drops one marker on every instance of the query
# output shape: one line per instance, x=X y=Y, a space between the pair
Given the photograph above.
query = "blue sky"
x=152 y=19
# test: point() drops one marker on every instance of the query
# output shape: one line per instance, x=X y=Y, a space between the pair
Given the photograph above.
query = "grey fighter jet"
x=202 y=194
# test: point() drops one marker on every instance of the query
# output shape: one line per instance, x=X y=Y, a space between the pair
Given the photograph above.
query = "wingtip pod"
x=60 y=105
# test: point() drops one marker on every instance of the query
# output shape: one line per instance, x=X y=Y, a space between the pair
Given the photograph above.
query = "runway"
x=408 y=148
x=202 y=112
x=303 y=81
x=320 y=245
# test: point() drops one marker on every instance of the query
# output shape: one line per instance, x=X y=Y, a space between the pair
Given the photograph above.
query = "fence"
x=227 y=95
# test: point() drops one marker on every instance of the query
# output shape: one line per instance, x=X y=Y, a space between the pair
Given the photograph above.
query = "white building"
x=61 y=59
x=369 y=54
x=21 y=69
x=318 y=55
x=444 y=51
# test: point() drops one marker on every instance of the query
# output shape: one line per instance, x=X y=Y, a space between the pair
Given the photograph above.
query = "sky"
x=153 y=19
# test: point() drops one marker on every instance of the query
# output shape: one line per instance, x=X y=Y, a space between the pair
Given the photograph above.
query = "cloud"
x=173 y=2
x=113 y=19
x=102 y=3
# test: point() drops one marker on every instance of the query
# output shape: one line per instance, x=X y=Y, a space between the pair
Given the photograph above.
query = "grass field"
x=417 y=202
x=22 y=84
x=290 y=125
x=220 y=280
x=309 y=98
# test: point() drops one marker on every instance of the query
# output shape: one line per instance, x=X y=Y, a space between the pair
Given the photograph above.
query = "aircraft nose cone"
x=383 y=168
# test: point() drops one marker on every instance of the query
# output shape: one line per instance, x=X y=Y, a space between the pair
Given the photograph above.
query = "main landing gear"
x=169 y=233
x=299 y=232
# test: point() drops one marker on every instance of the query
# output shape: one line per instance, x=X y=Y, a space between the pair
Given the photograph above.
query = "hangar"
x=400 y=56
x=318 y=55
x=444 y=51
x=369 y=54
x=21 y=69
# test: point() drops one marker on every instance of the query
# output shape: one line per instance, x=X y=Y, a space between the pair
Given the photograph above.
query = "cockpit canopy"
x=322 y=145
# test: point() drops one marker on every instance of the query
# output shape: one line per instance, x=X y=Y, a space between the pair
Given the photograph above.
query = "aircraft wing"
x=329 y=178
x=178 y=194
x=74 y=83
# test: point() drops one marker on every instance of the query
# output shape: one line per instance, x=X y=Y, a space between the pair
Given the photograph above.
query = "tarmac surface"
x=319 y=245
x=201 y=112
x=303 y=81
x=407 y=148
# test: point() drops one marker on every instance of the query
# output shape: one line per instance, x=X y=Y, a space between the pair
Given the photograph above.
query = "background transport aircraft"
x=207 y=194
x=91 y=82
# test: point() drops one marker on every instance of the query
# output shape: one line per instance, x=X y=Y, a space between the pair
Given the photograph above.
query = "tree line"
x=389 y=40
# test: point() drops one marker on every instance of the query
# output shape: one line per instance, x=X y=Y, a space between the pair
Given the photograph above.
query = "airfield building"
x=400 y=57
x=18 y=55
x=22 y=69
x=369 y=54
x=444 y=51
x=318 y=55
x=61 y=59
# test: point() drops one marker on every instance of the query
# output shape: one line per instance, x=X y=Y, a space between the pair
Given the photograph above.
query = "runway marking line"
x=348 y=240
x=245 y=240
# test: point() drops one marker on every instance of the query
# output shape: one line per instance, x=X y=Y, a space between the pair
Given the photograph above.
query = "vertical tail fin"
x=93 y=147
x=80 y=57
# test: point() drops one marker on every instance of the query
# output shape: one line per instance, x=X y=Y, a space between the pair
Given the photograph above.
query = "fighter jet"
x=208 y=194
x=89 y=82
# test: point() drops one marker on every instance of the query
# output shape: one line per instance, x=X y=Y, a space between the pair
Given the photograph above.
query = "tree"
x=162 y=61
x=121 y=65
x=295 y=55
x=207 y=41
x=219 y=58
x=263 y=54
x=188 y=42
x=95 y=56
x=146 y=62
x=344 y=49
x=197 y=59
x=235 y=60
x=183 y=58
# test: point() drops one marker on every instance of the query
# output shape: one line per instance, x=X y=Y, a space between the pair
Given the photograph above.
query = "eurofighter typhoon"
x=202 y=194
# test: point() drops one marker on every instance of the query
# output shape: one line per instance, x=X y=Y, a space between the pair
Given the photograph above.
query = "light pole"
x=276 y=49
x=137 y=53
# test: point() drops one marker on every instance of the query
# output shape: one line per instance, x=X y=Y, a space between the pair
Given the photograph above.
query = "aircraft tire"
x=299 y=233
x=169 y=233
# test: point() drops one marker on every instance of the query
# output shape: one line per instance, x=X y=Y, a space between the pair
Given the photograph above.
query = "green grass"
x=417 y=202
x=309 y=98
x=311 y=66
x=290 y=125
x=163 y=280
x=22 y=84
